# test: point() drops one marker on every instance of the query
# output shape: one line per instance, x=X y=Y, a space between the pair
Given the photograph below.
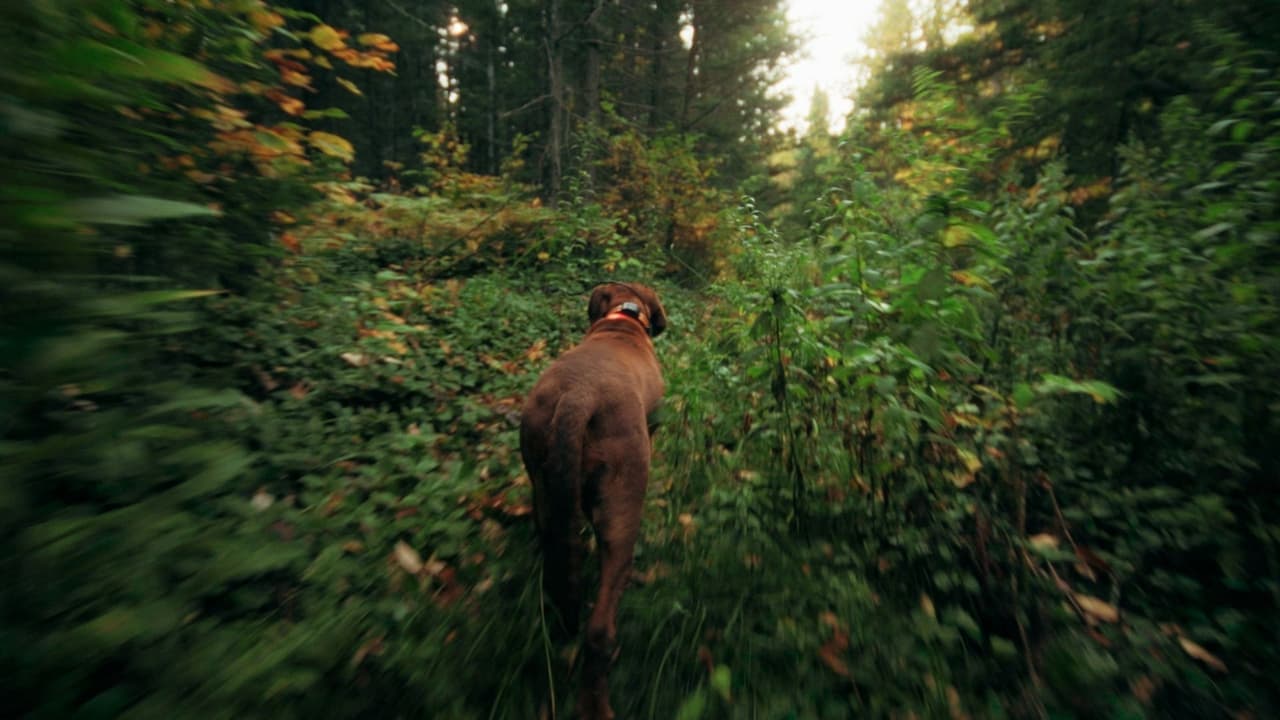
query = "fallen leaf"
x=268 y=383
x=355 y=359
x=1098 y=610
x=1199 y=653
x=832 y=650
x=1143 y=688
x=434 y=567
x=1044 y=541
x=262 y=500
x=536 y=351
x=926 y=605
x=408 y=558
x=372 y=647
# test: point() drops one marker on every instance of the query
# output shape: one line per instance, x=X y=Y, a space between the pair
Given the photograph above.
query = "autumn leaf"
x=1044 y=541
x=295 y=78
x=355 y=359
x=332 y=145
x=969 y=279
x=926 y=605
x=1097 y=610
x=372 y=647
x=369 y=60
x=536 y=351
x=326 y=38
x=262 y=500
x=971 y=461
x=288 y=103
x=1199 y=653
x=408 y=558
x=972 y=465
x=265 y=21
x=831 y=651
x=378 y=41
x=270 y=141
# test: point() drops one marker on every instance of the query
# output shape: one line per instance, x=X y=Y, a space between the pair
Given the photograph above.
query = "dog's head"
x=608 y=296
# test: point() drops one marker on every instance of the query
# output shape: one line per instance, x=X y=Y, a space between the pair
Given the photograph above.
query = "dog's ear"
x=600 y=303
x=657 y=314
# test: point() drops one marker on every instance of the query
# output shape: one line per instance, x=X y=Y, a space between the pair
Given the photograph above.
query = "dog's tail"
x=562 y=488
x=568 y=432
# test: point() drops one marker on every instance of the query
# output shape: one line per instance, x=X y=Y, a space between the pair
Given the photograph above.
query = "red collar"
x=619 y=312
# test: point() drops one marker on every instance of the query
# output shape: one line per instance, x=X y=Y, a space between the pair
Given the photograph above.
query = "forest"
x=971 y=398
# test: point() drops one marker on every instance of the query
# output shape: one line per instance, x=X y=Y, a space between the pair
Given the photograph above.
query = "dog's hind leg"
x=616 y=519
x=562 y=551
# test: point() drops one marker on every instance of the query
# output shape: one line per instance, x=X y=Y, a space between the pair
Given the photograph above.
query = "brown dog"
x=585 y=440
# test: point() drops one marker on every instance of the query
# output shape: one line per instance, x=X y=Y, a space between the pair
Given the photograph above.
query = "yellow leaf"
x=955 y=236
x=326 y=38
x=1098 y=610
x=378 y=41
x=332 y=145
x=1044 y=541
x=265 y=21
x=971 y=462
x=350 y=86
x=926 y=604
x=1199 y=653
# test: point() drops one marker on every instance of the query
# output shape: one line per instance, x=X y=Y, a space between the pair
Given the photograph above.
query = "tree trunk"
x=554 y=169
x=690 y=71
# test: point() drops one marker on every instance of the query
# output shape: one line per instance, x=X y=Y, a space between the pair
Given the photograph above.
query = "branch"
x=538 y=100
x=411 y=16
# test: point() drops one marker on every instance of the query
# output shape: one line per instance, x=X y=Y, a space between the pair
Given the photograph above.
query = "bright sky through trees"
x=831 y=34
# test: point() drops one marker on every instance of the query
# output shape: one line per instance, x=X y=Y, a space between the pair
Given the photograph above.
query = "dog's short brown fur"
x=585 y=440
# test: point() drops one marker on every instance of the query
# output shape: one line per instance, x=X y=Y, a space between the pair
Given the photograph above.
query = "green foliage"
x=137 y=576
